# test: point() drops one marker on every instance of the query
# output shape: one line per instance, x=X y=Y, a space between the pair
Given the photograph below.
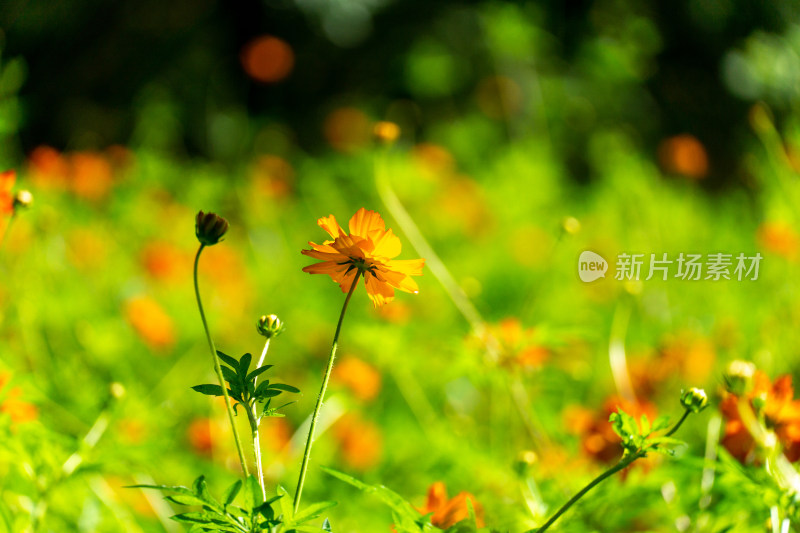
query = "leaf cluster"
x=243 y=386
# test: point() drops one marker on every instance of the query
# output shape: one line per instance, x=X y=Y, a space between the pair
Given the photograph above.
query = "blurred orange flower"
x=598 y=439
x=517 y=344
x=88 y=174
x=449 y=512
x=272 y=176
x=684 y=355
x=369 y=249
x=267 y=59
x=779 y=238
x=781 y=412
x=12 y=405
x=7 y=180
x=91 y=175
x=684 y=154
x=276 y=433
x=358 y=376
x=201 y=435
x=347 y=129
x=150 y=321
x=360 y=441
x=47 y=167
x=165 y=262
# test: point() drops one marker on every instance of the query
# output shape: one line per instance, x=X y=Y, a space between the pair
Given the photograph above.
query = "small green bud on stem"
x=269 y=326
x=694 y=400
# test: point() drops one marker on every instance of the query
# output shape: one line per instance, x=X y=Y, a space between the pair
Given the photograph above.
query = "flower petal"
x=330 y=225
x=386 y=244
x=401 y=281
x=378 y=291
x=326 y=267
x=334 y=256
x=345 y=280
x=364 y=222
x=410 y=267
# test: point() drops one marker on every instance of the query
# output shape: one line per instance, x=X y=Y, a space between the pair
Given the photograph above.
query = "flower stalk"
x=309 y=441
x=627 y=460
x=217 y=367
x=255 y=422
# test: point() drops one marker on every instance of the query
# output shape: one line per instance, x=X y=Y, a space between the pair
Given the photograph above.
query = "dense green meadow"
x=480 y=403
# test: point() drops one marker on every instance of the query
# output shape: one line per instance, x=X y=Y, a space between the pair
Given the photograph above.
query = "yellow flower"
x=370 y=249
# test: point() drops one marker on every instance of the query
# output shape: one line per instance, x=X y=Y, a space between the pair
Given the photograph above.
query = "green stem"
x=315 y=415
x=592 y=484
x=623 y=463
x=217 y=367
x=252 y=416
x=674 y=429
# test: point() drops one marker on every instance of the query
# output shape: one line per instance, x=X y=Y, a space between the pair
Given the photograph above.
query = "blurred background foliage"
x=659 y=127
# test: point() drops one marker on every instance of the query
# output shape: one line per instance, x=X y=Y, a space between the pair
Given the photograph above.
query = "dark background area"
x=90 y=62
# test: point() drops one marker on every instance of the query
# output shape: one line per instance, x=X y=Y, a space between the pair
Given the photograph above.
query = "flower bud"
x=269 y=326
x=23 y=199
x=694 y=400
x=209 y=228
x=738 y=377
x=524 y=461
x=386 y=132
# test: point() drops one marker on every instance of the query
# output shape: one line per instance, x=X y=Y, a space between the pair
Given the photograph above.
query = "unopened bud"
x=386 y=132
x=738 y=377
x=524 y=461
x=269 y=326
x=23 y=199
x=210 y=228
x=694 y=400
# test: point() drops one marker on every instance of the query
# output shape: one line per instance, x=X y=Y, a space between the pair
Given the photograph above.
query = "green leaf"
x=200 y=488
x=326 y=526
x=230 y=376
x=252 y=494
x=194 y=517
x=185 y=499
x=312 y=511
x=268 y=393
x=405 y=513
x=284 y=387
x=208 y=389
x=662 y=422
x=230 y=361
x=257 y=372
x=244 y=364
x=286 y=504
x=231 y=493
x=644 y=422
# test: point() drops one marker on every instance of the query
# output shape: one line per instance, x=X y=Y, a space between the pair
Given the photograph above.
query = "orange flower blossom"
x=781 y=414
x=447 y=512
x=370 y=249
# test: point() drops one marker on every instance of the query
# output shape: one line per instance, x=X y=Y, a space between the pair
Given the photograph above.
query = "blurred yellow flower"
x=369 y=249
